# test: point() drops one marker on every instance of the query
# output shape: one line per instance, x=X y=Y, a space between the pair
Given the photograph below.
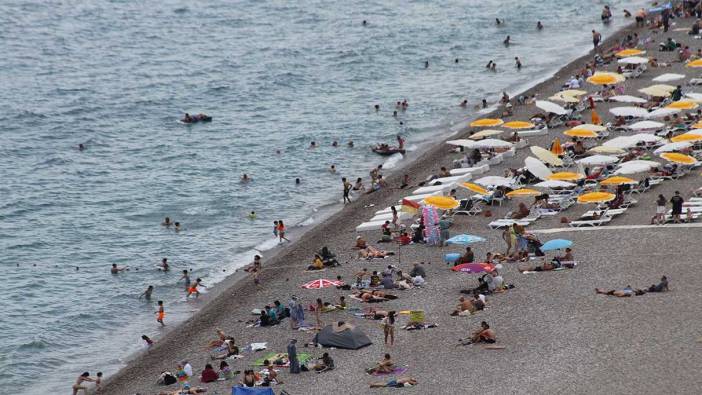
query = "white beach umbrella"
x=637 y=112
x=551 y=107
x=597 y=160
x=667 y=77
x=461 y=143
x=646 y=137
x=646 y=125
x=671 y=147
x=537 y=168
x=628 y=99
x=633 y=60
x=649 y=163
x=627 y=168
x=694 y=96
x=485 y=133
x=555 y=184
x=495 y=181
x=491 y=143
x=694 y=131
x=622 y=142
x=662 y=112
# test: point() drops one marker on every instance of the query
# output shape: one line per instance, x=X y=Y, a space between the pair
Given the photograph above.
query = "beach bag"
x=166 y=378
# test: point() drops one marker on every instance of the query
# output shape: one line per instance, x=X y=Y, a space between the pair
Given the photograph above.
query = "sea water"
x=117 y=75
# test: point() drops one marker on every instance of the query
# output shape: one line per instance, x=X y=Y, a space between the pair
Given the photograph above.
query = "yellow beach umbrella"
x=523 y=192
x=485 y=133
x=679 y=158
x=618 y=180
x=575 y=132
x=687 y=137
x=697 y=125
x=572 y=92
x=683 y=105
x=629 y=52
x=589 y=126
x=605 y=78
x=601 y=149
x=694 y=63
x=566 y=176
x=556 y=147
x=546 y=156
x=518 y=125
x=564 y=98
x=442 y=202
x=596 y=197
x=486 y=122
x=475 y=188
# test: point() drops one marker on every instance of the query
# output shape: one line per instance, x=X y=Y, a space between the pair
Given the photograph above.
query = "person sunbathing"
x=371 y=252
x=221 y=337
x=465 y=307
x=361 y=243
x=483 y=335
x=661 y=286
x=622 y=293
x=522 y=212
x=401 y=382
x=375 y=314
x=373 y=296
x=317 y=264
x=187 y=390
x=384 y=366
x=228 y=349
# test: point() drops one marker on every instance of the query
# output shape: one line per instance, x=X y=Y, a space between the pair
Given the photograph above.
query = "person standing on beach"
x=394 y=216
x=389 y=328
x=677 y=203
x=596 y=38
x=275 y=229
x=347 y=189
x=292 y=357
x=161 y=313
x=281 y=231
x=659 y=217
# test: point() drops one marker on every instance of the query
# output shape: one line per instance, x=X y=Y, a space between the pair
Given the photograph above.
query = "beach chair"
x=590 y=222
x=695 y=216
x=468 y=207
x=503 y=223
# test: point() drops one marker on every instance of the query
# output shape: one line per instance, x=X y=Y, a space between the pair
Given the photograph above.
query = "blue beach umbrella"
x=556 y=244
x=464 y=239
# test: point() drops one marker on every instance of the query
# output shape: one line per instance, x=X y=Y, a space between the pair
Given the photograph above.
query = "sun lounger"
x=523 y=143
x=694 y=209
x=590 y=222
x=432 y=189
x=695 y=216
x=495 y=160
x=401 y=215
x=529 y=133
x=509 y=153
x=450 y=180
x=503 y=223
x=420 y=197
x=611 y=212
x=366 y=226
x=468 y=207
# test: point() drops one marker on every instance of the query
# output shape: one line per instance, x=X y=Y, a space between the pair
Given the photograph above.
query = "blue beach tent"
x=252 y=391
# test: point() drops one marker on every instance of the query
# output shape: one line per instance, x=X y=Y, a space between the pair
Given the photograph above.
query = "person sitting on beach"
x=661 y=286
x=567 y=257
x=418 y=270
x=374 y=279
x=404 y=239
x=208 y=375
x=225 y=372
x=317 y=263
x=467 y=257
x=228 y=348
x=271 y=375
x=522 y=212
x=221 y=337
x=249 y=379
x=384 y=366
x=325 y=363
x=360 y=243
x=465 y=307
x=623 y=293
x=483 y=335
x=358 y=186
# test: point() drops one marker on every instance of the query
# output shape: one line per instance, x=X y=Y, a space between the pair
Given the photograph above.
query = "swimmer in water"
x=313 y=145
x=193 y=288
x=116 y=270
x=81 y=147
x=332 y=169
x=335 y=143
x=426 y=64
x=539 y=26
x=493 y=68
x=485 y=103
x=245 y=178
x=186 y=278
x=456 y=60
x=275 y=229
x=517 y=62
x=164 y=265
x=161 y=313
x=506 y=41
x=377 y=107
x=364 y=23
x=177 y=226
x=166 y=222
x=277 y=152
x=498 y=22
x=464 y=103
x=487 y=66
x=252 y=215
x=394 y=113
x=350 y=144
x=147 y=294
x=297 y=181
x=98 y=381
x=148 y=340
x=400 y=141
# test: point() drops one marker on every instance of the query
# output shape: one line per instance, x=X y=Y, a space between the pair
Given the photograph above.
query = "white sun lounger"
x=503 y=223
x=495 y=160
x=432 y=189
x=452 y=179
x=366 y=226
x=694 y=209
x=401 y=215
x=591 y=222
x=420 y=197
x=683 y=217
x=612 y=212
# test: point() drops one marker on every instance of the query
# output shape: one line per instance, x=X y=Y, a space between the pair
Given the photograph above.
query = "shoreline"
x=275 y=265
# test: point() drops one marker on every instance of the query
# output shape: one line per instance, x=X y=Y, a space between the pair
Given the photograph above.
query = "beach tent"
x=348 y=338
x=252 y=391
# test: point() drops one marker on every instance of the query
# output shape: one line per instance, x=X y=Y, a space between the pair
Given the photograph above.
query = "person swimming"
x=297 y=181
x=245 y=178
x=498 y=22
x=350 y=144
x=364 y=23
x=377 y=107
x=116 y=270
x=332 y=169
x=426 y=64
x=166 y=222
x=506 y=41
x=177 y=226
x=464 y=103
x=81 y=147
x=252 y=215
x=539 y=26
x=313 y=145
x=335 y=143
x=164 y=265
x=186 y=278
x=517 y=62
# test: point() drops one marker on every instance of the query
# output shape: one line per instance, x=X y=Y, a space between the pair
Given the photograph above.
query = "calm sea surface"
x=275 y=75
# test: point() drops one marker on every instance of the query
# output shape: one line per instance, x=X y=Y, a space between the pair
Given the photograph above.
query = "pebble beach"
x=558 y=335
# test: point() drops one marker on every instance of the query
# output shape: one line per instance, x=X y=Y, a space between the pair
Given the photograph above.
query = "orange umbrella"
x=686 y=137
x=629 y=52
x=566 y=176
x=617 y=180
x=682 y=105
x=596 y=197
x=694 y=63
x=556 y=148
x=486 y=122
x=475 y=188
x=518 y=125
x=581 y=133
x=679 y=158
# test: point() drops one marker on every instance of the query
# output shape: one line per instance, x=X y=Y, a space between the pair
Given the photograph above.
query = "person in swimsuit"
x=347 y=189
x=177 y=226
x=115 y=269
x=79 y=383
x=147 y=294
x=193 y=288
x=148 y=340
x=389 y=327
x=161 y=313
x=166 y=222
x=164 y=264
x=281 y=231
x=186 y=278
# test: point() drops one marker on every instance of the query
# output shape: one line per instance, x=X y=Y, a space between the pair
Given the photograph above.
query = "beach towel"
x=397 y=371
x=252 y=391
x=280 y=359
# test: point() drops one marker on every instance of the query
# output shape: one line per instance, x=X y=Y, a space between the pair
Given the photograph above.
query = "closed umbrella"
x=597 y=160
x=537 y=168
x=556 y=244
x=628 y=99
x=636 y=112
x=551 y=107
x=486 y=122
x=546 y=156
